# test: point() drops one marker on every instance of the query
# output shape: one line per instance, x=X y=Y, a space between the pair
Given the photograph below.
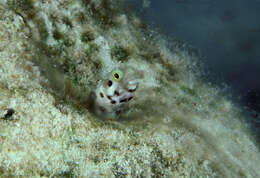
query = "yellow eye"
x=117 y=75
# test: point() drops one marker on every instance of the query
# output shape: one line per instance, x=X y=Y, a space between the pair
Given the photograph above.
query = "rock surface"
x=52 y=55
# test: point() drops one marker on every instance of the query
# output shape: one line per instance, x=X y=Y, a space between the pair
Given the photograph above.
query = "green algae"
x=119 y=54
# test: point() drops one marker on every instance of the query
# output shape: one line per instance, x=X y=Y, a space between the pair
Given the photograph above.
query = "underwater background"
x=225 y=34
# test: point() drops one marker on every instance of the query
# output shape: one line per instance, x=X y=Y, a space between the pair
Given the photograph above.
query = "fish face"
x=114 y=93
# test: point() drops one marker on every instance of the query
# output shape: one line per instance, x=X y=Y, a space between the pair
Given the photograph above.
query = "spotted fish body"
x=113 y=93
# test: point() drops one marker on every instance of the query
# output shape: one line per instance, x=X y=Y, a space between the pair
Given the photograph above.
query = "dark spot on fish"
x=116 y=93
x=123 y=100
x=101 y=95
x=109 y=83
x=130 y=98
x=131 y=90
x=102 y=109
x=113 y=102
x=109 y=97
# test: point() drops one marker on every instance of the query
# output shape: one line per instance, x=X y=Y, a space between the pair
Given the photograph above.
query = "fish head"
x=115 y=91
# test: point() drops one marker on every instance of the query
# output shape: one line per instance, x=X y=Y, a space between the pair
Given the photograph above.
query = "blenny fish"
x=114 y=92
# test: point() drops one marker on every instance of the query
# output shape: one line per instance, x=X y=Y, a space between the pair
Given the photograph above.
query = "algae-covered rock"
x=52 y=56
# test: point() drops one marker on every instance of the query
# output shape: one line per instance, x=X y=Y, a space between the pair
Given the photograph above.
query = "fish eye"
x=109 y=83
x=117 y=75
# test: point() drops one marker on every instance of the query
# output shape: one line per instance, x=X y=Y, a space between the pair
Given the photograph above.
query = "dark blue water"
x=227 y=33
